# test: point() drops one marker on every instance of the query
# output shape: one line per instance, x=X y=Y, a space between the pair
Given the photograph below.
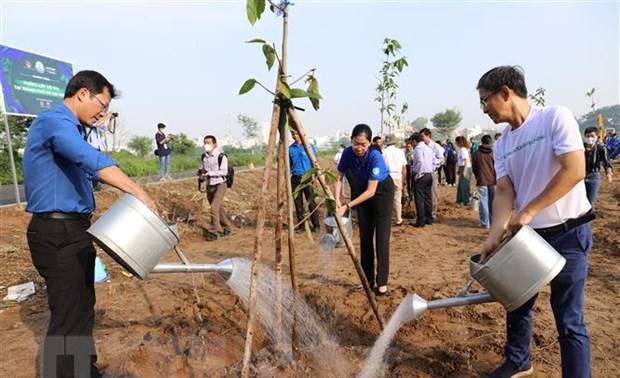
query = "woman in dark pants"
x=372 y=195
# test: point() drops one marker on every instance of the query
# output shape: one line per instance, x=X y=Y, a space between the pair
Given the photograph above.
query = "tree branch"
x=302 y=76
x=265 y=88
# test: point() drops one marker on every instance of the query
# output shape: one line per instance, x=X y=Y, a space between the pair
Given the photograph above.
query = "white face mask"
x=208 y=148
x=590 y=140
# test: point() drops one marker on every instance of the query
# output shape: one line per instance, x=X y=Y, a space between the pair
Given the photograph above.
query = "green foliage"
x=391 y=68
x=270 y=55
x=447 y=121
x=249 y=125
x=142 y=145
x=538 y=97
x=181 y=144
x=6 y=175
x=419 y=123
x=254 y=10
x=247 y=86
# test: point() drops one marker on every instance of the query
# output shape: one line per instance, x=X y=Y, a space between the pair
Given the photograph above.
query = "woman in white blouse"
x=464 y=172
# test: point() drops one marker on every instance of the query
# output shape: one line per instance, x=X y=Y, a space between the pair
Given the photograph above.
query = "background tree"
x=386 y=89
x=249 y=126
x=538 y=97
x=419 y=123
x=182 y=145
x=141 y=145
x=447 y=121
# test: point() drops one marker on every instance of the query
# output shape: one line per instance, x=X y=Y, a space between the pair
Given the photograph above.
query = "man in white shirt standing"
x=540 y=166
x=437 y=164
x=421 y=177
x=396 y=162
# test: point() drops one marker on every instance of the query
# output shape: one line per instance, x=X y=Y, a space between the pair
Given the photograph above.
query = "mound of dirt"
x=183 y=325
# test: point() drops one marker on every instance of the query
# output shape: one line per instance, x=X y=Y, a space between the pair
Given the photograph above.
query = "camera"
x=201 y=178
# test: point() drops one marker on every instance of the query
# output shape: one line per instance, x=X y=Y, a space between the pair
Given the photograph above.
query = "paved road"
x=7 y=192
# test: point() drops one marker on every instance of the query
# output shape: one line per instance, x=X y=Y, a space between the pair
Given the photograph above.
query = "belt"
x=63 y=216
x=568 y=225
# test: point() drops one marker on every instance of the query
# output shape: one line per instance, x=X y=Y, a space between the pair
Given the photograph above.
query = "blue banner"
x=31 y=83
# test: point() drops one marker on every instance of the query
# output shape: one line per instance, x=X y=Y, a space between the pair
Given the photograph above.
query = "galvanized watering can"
x=134 y=236
x=521 y=267
x=333 y=238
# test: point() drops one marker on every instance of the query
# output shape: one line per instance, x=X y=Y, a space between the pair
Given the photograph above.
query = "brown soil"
x=158 y=328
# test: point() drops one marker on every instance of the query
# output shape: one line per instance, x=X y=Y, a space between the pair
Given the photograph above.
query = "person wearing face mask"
x=372 y=194
x=214 y=171
x=596 y=155
x=163 y=150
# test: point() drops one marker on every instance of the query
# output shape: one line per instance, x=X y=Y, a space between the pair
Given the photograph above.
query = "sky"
x=182 y=62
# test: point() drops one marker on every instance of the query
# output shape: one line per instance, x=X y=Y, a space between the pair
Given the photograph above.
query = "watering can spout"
x=420 y=305
x=225 y=268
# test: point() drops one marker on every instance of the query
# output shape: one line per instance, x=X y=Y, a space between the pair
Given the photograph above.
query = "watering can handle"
x=466 y=288
x=181 y=255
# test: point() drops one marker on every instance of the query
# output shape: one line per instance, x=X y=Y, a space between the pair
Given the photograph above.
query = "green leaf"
x=270 y=55
x=313 y=90
x=247 y=86
x=256 y=40
x=284 y=89
x=254 y=9
x=298 y=93
x=308 y=175
x=396 y=44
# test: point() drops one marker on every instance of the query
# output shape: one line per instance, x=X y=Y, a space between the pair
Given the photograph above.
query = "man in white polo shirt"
x=396 y=162
x=540 y=168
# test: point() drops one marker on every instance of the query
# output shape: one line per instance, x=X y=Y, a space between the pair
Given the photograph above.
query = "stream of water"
x=402 y=315
x=314 y=341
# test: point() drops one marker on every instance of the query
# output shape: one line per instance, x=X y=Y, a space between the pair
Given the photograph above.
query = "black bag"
x=156 y=152
x=230 y=175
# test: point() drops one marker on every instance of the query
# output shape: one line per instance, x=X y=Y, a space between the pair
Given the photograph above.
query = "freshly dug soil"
x=163 y=327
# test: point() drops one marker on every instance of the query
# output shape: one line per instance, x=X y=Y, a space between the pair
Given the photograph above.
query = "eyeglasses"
x=104 y=104
x=483 y=100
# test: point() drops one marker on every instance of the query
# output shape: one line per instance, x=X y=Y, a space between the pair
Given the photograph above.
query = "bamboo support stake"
x=280 y=196
x=350 y=248
x=260 y=225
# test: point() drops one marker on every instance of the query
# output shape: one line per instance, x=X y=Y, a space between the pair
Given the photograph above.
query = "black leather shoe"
x=419 y=225
x=210 y=236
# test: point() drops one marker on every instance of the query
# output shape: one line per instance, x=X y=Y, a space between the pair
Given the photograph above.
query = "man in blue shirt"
x=300 y=164
x=59 y=166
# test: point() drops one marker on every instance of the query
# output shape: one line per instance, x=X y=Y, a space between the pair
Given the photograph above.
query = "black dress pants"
x=423 y=199
x=307 y=193
x=375 y=220
x=64 y=256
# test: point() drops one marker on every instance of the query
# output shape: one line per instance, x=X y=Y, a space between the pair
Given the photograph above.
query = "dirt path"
x=157 y=328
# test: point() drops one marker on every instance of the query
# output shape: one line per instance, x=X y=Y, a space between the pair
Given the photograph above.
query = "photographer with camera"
x=214 y=171
x=163 y=150
x=93 y=135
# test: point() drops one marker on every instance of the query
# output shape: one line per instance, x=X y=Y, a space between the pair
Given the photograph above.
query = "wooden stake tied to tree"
x=282 y=110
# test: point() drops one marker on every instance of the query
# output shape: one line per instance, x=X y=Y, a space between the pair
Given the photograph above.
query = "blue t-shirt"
x=300 y=162
x=59 y=164
x=370 y=167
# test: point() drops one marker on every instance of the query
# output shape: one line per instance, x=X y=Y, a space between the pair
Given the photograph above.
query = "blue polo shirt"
x=370 y=167
x=59 y=164
x=300 y=162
